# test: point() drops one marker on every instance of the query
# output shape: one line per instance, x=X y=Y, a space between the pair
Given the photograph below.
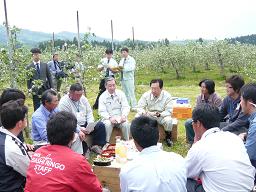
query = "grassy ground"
x=187 y=87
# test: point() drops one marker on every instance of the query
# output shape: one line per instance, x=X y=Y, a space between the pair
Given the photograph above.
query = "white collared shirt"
x=163 y=104
x=118 y=106
x=154 y=170
x=104 y=63
x=37 y=63
x=221 y=161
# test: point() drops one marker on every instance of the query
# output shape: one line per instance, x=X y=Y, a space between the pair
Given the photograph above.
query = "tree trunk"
x=194 y=68
x=206 y=66
x=222 y=71
x=178 y=76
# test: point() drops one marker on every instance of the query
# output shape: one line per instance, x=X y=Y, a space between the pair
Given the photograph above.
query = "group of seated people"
x=113 y=110
x=232 y=117
x=218 y=160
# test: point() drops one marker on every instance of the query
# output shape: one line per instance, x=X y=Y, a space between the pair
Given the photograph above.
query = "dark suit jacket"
x=45 y=76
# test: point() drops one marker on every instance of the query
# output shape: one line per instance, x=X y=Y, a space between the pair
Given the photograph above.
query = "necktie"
x=107 y=71
x=55 y=64
x=122 y=73
x=112 y=97
x=37 y=68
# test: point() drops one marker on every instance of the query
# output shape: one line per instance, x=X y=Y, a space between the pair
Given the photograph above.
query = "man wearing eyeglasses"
x=217 y=158
x=231 y=112
x=248 y=103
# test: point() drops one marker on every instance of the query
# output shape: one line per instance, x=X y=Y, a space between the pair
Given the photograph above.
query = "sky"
x=151 y=19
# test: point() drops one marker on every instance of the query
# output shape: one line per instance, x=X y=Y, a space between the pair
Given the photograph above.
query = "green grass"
x=186 y=87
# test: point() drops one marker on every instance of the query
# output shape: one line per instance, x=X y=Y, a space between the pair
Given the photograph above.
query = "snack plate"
x=102 y=161
x=98 y=163
x=108 y=153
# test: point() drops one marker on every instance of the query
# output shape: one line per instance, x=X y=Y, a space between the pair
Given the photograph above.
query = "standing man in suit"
x=39 y=71
x=56 y=71
x=128 y=65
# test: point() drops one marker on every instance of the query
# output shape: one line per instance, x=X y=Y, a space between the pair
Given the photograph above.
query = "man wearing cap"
x=39 y=71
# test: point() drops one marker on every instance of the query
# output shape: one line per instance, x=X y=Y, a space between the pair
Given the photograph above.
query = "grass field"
x=186 y=87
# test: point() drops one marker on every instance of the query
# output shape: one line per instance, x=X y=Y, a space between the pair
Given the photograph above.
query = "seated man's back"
x=56 y=167
x=218 y=158
x=222 y=159
x=155 y=170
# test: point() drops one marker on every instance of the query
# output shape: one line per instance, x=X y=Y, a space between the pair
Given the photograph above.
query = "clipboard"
x=90 y=127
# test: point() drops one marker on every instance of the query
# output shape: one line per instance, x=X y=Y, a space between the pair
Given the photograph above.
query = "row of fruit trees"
x=187 y=57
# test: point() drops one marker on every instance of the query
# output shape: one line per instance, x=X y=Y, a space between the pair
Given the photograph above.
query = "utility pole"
x=112 y=39
x=10 y=53
x=133 y=37
x=78 y=35
x=53 y=43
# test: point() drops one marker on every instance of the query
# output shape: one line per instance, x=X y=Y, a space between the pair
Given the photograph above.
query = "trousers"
x=129 y=90
x=98 y=134
x=125 y=128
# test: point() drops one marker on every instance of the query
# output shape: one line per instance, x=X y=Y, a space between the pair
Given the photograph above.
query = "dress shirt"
x=251 y=141
x=35 y=63
x=220 y=160
x=81 y=109
x=154 y=170
x=116 y=106
x=128 y=65
x=52 y=68
x=162 y=104
x=39 y=121
x=37 y=66
x=104 y=63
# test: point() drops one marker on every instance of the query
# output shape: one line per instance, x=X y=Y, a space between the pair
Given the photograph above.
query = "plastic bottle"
x=120 y=151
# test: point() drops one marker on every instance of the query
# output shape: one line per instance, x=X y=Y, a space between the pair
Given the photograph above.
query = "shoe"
x=96 y=149
x=169 y=142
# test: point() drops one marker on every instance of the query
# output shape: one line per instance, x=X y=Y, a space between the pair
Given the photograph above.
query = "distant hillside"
x=249 y=39
x=32 y=38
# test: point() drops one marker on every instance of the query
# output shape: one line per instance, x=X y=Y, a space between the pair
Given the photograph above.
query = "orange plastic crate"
x=182 y=112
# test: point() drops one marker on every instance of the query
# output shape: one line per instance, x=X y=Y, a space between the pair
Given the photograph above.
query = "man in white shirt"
x=75 y=102
x=127 y=65
x=153 y=169
x=157 y=103
x=219 y=159
x=108 y=67
x=114 y=109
